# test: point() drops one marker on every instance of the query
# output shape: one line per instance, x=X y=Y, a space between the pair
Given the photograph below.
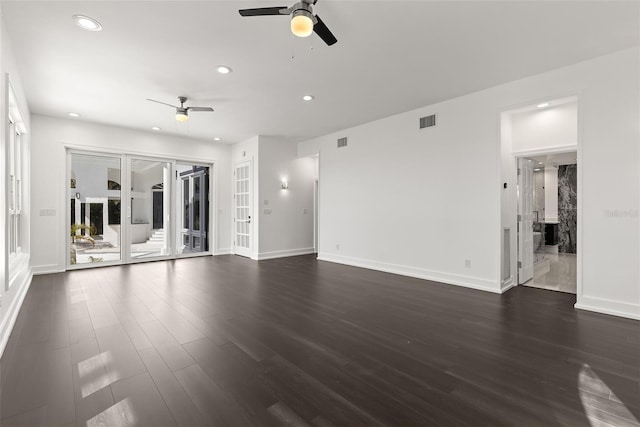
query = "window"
x=15 y=154
x=15 y=190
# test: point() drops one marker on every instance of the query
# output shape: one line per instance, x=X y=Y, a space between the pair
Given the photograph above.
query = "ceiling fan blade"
x=262 y=11
x=324 y=32
x=199 y=108
x=160 y=102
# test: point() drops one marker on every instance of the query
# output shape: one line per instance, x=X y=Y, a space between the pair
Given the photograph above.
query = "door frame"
x=521 y=219
x=541 y=152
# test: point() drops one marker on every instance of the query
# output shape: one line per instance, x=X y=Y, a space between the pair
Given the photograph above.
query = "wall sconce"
x=285 y=185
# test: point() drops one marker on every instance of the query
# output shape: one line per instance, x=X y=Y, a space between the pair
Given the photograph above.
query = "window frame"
x=16 y=194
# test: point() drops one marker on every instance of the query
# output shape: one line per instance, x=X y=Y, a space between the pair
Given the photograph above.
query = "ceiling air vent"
x=342 y=142
x=427 y=122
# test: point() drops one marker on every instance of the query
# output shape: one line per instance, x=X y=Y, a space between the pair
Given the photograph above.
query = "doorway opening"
x=540 y=222
x=547 y=221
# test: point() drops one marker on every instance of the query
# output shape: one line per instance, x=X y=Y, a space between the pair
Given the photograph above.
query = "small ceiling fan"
x=182 y=112
x=303 y=21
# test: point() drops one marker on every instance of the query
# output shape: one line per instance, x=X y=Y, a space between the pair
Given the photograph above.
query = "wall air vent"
x=342 y=142
x=427 y=122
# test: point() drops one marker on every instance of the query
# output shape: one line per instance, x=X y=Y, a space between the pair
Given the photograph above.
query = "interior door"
x=242 y=217
x=525 y=220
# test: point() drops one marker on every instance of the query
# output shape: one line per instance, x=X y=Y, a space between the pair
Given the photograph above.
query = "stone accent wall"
x=567 y=208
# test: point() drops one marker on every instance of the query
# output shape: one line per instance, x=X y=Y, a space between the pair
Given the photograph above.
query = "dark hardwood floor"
x=229 y=341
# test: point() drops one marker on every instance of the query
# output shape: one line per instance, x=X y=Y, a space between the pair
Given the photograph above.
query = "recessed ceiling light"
x=536 y=170
x=308 y=97
x=156 y=128
x=87 y=23
x=73 y=114
x=223 y=69
x=540 y=163
x=216 y=139
x=544 y=104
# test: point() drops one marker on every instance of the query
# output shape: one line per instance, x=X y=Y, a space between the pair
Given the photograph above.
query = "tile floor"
x=558 y=274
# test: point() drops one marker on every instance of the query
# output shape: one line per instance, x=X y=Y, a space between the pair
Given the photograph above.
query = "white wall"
x=49 y=138
x=11 y=299
x=143 y=182
x=422 y=202
x=281 y=227
x=538 y=193
x=551 y=193
x=285 y=216
x=411 y=201
x=554 y=126
x=608 y=177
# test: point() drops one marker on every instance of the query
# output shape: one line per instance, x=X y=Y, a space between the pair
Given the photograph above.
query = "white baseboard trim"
x=419 y=273
x=11 y=316
x=284 y=254
x=223 y=251
x=605 y=306
x=507 y=285
x=46 y=269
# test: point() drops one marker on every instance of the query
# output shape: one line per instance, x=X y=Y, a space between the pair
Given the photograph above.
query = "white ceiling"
x=391 y=56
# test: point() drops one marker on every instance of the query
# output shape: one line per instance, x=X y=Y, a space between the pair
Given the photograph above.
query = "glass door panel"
x=94 y=209
x=150 y=207
x=242 y=217
x=193 y=207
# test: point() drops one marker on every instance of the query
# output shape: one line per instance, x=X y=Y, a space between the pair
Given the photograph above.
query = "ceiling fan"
x=303 y=21
x=182 y=112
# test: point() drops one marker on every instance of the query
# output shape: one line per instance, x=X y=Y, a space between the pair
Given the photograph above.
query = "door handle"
x=249 y=220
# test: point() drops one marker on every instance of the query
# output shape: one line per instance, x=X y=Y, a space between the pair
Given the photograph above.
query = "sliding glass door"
x=126 y=209
x=94 y=194
x=150 y=206
x=193 y=208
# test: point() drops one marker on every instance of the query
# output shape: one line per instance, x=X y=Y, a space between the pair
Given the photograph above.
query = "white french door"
x=525 y=220
x=242 y=209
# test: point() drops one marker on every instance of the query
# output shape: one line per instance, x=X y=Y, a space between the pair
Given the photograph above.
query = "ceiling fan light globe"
x=301 y=24
x=182 y=117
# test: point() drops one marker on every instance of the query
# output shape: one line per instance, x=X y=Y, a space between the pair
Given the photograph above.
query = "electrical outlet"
x=267 y=211
x=467 y=263
x=305 y=211
x=338 y=246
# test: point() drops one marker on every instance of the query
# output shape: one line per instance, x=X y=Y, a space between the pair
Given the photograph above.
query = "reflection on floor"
x=108 y=252
x=557 y=273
